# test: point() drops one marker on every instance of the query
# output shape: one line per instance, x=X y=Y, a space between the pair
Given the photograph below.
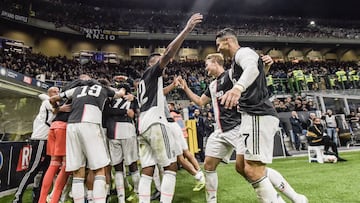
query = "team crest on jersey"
x=219 y=94
x=222 y=81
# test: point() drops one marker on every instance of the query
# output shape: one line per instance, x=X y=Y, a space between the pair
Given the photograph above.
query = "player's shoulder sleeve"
x=47 y=104
x=245 y=56
x=155 y=70
x=68 y=93
x=207 y=92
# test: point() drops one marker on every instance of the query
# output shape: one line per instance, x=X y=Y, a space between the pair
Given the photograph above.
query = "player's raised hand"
x=193 y=21
x=267 y=60
x=177 y=81
x=183 y=84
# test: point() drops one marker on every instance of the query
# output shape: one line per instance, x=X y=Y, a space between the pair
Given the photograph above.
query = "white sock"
x=156 y=177
x=99 y=191
x=211 y=185
x=199 y=176
x=145 y=188
x=265 y=191
x=90 y=196
x=281 y=184
x=135 y=176
x=107 y=189
x=119 y=182
x=168 y=186
x=78 y=190
x=66 y=189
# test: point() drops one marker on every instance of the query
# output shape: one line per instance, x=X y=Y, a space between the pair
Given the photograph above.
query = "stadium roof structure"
x=330 y=9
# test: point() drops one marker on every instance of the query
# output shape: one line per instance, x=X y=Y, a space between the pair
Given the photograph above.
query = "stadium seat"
x=319 y=154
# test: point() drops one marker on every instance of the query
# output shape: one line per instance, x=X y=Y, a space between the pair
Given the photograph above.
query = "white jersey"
x=43 y=121
x=151 y=98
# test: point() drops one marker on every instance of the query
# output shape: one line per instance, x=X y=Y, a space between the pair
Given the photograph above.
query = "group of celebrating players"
x=142 y=129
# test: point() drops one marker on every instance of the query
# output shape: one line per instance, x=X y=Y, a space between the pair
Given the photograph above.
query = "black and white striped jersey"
x=226 y=119
x=151 y=98
x=87 y=103
x=255 y=99
x=116 y=113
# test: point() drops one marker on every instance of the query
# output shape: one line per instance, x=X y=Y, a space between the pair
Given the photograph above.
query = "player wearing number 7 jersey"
x=156 y=144
x=85 y=141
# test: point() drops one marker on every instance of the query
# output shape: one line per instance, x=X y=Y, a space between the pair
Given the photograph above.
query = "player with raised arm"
x=259 y=121
x=225 y=138
x=156 y=145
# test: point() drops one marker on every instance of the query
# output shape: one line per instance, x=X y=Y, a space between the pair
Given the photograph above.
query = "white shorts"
x=157 y=146
x=123 y=149
x=222 y=144
x=179 y=136
x=85 y=144
x=258 y=133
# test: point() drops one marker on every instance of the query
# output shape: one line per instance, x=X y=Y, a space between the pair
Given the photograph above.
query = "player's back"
x=88 y=103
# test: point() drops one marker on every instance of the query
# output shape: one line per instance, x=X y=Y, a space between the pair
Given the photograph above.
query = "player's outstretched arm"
x=173 y=85
x=174 y=46
x=201 y=101
x=268 y=61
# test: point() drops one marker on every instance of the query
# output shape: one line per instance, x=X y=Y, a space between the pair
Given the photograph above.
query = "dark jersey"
x=255 y=99
x=62 y=116
x=87 y=103
x=116 y=116
x=151 y=98
x=226 y=119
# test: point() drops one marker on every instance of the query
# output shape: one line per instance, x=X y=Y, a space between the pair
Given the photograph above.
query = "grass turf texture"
x=321 y=183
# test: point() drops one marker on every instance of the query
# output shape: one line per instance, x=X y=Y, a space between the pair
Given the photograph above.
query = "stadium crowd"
x=77 y=16
x=283 y=77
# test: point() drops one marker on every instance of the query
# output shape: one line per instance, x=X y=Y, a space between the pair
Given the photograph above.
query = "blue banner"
x=23 y=78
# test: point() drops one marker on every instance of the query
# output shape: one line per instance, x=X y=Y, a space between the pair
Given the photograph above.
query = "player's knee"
x=172 y=167
x=149 y=171
x=254 y=171
x=240 y=169
x=80 y=173
x=209 y=166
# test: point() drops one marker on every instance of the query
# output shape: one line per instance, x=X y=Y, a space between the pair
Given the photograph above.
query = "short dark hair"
x=225 y=32
x=151 y=56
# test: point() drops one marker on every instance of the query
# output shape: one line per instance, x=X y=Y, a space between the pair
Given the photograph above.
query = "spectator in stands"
x=297 y=129
x=200 y=131
x=309 y=121
x=208 y=126
x=331 y=126
x=298 y=105
x=316 y=137
x=192 y=107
